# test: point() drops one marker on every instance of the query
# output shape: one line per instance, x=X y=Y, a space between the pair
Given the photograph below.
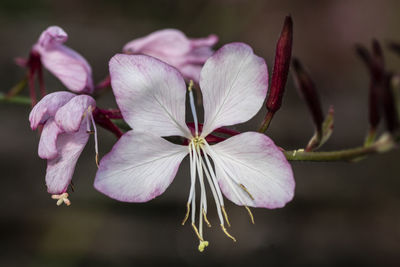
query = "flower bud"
x=281 y=66
x=309 y=93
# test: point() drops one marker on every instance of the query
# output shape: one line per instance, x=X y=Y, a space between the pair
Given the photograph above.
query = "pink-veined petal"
x=69 y=117
x=139 y=168
x=253 y=160
x=60 y=169
x=48 y=140
x=48 y=107
x=150 y=94
x=69 y=67
x=234 y=83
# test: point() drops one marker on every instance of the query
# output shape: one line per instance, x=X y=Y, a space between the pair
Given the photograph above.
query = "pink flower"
x=248 y=168
x=63 y=62
x=173 y=47
x=66 y=118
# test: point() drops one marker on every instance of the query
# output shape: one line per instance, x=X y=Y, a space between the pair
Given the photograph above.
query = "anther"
x=247 y=191
x=63 y=198
x=227 y=234
x=205 y=218
x=225 y=215
x=97 y=160
x=187 y=213
x=250 y=214
x=190 y=85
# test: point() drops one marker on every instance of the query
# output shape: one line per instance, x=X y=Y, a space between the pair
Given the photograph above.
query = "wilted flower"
x=173 y=47
x=248 y=168
x=66 y=118
x=63 y=62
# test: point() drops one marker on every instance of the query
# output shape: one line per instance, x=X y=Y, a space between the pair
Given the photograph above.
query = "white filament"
x=193 y=108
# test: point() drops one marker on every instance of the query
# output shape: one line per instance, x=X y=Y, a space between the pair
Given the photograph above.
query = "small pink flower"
x=248 y=168
x=173 y=47
x=63 y=62
x=66 y=118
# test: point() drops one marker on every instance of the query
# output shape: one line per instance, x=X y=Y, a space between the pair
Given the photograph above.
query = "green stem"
x=385 y=143
x=266 y=122
x=22 y=100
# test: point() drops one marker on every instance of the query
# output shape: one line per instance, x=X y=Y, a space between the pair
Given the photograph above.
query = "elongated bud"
x=309 y=93
x=281 y=66
x=375 y=65
x=389 y=106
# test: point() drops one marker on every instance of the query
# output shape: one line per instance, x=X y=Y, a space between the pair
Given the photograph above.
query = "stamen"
x=227 y=234
x=226 y=216
x=62 y=198
x=197 y=232
x=187 y=213
x=247 y=191
x=250 y=214
x=193 y=108
x=205 y=219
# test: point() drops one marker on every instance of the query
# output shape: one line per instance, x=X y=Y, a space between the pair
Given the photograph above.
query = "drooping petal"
x=139 y=168
x=150 y=94
x=173 y=47
x=48 y=140
x=234 y=83
x=60 y=169
x=69 y=117
x=66 y=64
x=168 y=45
x=251 y=161
x=52 y=36
x=47 y=107
x=69 y=67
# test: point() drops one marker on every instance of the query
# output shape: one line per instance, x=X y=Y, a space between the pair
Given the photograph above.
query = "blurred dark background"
x=342 y=213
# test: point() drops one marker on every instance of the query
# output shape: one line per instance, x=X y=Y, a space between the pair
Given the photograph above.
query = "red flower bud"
x=309 y=93
x=281 y=66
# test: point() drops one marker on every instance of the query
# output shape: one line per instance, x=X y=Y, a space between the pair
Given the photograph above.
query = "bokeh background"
x=342 y=213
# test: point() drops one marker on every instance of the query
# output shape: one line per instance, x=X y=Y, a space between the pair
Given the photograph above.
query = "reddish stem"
x=106 y=82
x=40 y=79
x=111 y=113
x=104 y=121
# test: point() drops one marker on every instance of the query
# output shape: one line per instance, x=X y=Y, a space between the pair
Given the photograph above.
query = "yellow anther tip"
x=203 y=245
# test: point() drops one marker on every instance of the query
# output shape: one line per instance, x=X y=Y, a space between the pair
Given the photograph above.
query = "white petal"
x=139 y=168
x=234 y=83
x=251 y=159
x=150 y=94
